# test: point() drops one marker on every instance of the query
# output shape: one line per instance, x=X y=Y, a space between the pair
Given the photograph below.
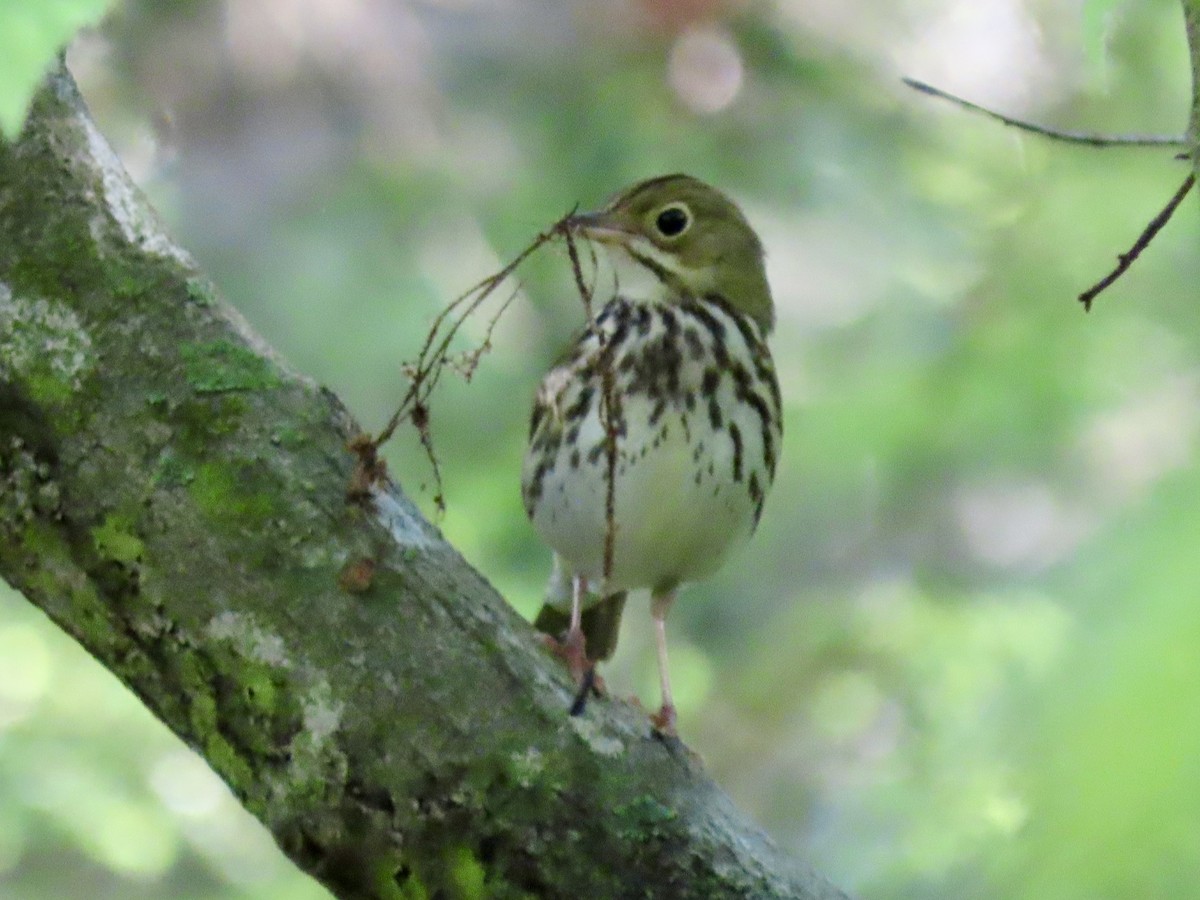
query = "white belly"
x=688 y=483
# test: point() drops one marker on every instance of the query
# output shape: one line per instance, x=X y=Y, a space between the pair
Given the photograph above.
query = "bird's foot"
x=664 y=720
x=572 y=650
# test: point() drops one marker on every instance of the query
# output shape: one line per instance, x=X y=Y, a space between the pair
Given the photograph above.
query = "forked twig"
x=585 y=291
x=434 y=356
x=1125 y=260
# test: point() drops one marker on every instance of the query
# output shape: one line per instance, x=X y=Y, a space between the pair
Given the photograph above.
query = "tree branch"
x=174 y=497
x=1127 y=259
x=1191 y=15
x=1088 y=138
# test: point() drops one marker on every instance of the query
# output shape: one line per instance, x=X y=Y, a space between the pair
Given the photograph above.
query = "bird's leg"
x=575 y=644
x=660 y=605
x=572 y=647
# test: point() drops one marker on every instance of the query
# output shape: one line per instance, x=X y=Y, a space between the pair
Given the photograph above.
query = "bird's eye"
x=673 y=221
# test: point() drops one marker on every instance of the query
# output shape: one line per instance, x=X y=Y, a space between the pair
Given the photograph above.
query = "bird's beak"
x=605 y=226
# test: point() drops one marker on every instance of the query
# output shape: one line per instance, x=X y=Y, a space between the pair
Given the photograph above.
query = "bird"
x=654 y=438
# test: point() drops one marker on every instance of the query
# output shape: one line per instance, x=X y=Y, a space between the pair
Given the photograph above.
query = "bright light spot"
x=455 y=253
x=186 y=784
x=705 y=69
x=845 y=705
x=986 y=50
x=1152 y=434
x=1006 y=812
x=824 y=271
x=25 y=669
x=1018 y=524
x=129 y=837
x=237 y=845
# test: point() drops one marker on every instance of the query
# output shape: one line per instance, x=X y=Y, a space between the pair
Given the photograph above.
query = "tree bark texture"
x=174 y=497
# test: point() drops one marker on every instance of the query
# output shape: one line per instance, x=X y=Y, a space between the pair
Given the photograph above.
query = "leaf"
x=31 y=32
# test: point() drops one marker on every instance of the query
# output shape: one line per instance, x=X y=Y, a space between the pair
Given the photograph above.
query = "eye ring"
x=673 y=220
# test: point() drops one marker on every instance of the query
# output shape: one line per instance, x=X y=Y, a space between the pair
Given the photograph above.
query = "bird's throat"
x=638 y=278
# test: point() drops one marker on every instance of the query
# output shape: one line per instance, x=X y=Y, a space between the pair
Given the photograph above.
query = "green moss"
x=200 y=292
x=226 y=760
x=289 y=438
x=43 y=541
x=260 y=689
x=646 y=819
x=225 y=495
x=467 y=875
x=409 y=885
x=226 y=712
x=199 y=420
x=390 y=878
x=172 y=471
x=317 y=772
x=115 y=540
x=222 y=365
x=41 y=583
x=47 y=389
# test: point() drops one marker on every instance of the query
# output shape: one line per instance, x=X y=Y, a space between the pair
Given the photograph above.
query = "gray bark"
x=174 y=497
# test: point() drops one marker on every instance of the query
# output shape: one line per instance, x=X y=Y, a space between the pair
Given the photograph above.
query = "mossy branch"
x=174 y=497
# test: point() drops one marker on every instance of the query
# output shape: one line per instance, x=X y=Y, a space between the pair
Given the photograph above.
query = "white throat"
x=628 y=278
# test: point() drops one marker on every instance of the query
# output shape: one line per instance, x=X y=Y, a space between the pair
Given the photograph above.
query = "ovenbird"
x=654 y=439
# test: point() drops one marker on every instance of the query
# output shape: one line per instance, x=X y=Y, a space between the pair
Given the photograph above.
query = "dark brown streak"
x=714 y=326
x=735 y=435
x=1125 y=260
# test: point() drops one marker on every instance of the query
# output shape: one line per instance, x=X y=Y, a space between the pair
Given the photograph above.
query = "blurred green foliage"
x=958 y=659
x=31 y=33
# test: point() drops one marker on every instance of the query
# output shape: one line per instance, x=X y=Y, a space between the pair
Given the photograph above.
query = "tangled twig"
x=426 y=370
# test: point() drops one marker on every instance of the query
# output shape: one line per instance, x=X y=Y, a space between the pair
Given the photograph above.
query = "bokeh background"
x=961 y=658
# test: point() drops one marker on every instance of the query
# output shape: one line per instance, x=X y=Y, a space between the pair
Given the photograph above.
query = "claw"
x=664 y=720
x=572 y=650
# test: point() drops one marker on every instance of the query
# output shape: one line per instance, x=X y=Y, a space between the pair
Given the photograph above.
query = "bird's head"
x=690 y=237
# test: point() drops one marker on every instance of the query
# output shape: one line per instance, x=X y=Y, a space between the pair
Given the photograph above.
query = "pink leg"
x=573 y=647
x=664 y=719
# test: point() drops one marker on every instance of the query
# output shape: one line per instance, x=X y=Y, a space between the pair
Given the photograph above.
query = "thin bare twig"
x=1091 y=139
x=425 y=372
x=1125 y=260
x=610 y=413
x=585 y=292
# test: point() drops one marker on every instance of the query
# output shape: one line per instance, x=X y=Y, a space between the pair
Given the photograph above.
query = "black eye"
x=673 y=221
